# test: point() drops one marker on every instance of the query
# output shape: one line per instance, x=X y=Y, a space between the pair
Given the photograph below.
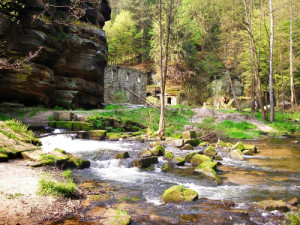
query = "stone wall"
x=118 y=79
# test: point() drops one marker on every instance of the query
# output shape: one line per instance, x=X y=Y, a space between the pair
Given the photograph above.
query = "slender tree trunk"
x=251 y=60
x=271 y=64
x=293 y=94
x=161 y=130
x=281 y=73
x=162 y=93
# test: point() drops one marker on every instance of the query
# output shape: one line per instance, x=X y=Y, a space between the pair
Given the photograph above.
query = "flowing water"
x=273 y=173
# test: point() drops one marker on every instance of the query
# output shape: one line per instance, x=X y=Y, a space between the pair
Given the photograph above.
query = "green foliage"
x=11 y=8
x=18 y=127
x=13 y=196
x=67 y=174
x=60 y=189
x=113 y=107
x=294 y=217
x=4 y=117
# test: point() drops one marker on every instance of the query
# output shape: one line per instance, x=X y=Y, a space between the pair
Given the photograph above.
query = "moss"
x=76 y=125
x=210 y=151
x=3 y=157
x=86 y=126
x=207 y=169
x=97 y=134
x=166 y=167
x=239 y=146
x=193 y=142
x=198 y=159
x=178 y=194
x=188 y=157
x=99 y=198
x=169 y=155
x=78 y=163
x=122 y=155
x=115 y=136
x=250 y=147
x=158 y=150
x=64 y=125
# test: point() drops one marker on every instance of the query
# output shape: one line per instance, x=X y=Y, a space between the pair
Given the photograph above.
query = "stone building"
x=124 y=82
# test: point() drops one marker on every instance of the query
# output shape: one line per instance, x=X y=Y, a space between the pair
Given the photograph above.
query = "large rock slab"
x=115 y=216
x=273 y=205
x=198 y=159
x=236 y=154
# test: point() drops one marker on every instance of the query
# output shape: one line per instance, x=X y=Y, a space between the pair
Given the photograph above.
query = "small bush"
x=294 y=218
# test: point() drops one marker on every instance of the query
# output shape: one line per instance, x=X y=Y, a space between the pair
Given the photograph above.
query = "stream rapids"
x=273 y=173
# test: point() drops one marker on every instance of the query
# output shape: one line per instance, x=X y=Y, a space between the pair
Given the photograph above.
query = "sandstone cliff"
x=69 y=70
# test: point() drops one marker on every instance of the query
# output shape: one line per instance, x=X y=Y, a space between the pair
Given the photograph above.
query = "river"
x=272 y=173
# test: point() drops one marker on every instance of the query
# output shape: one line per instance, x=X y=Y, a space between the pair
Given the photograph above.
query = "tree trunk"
x=293 y=94
x=161 y=130
x=271 y=64
x=251 y=61
x=233 y=91
x=281 y=73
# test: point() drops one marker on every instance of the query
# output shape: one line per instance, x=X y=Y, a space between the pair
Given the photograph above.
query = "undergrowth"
x=67 y=189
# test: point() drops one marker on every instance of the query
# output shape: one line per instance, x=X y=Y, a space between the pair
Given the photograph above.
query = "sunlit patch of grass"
x=47 y=186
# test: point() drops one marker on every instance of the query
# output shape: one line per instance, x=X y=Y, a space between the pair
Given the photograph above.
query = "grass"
x=67 y=189
x=113 y=107
x=18 y=127
x=284 y=122
x=230 y=129
x=13 y=196
x=175 y=120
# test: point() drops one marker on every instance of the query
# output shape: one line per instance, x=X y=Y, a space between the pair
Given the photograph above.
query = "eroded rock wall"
x=69 y=70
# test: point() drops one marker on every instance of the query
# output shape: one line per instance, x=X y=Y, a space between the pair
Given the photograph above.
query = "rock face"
x=69 y=69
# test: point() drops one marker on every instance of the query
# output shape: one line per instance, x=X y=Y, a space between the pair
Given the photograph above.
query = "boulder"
x=198 y=159
x=145 y=162
x=168 y=155
x=273 y=205
x=250 y=147
x=178 y=143
x=95 y=134
x=189 y=135
x=239 y=146
x=179 y=194
x=158 y=151
x=293 y=202
x=122 y=155
x=145 y=153
x=187 y=147
x=188 y=157
x=64 y=116
x=192 y=142
x=204 y=144
x=210 y=151
x=57 y=157
x=178 y=161
x=207 y=169
x=247 y=152
x=166 y=167
x=236 y=154
x=115 y=216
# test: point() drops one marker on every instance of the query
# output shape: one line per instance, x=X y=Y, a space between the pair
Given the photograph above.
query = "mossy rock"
x=248 y=152
x=203 y=144
x=76 y=125
x=179 y=194
x=189 y=135
x=250 y=147
x=79 y=163
x=187 y=147
x=145 y=153
x=52 y=124
x=115 y=216
x=96 y=134
x=122 y=155
x=178 y=161
x=192 y=142
x=145 y=162
x=236 y=154
x=188 y=157
x=3 y=157
x=167 y=166
x=207 y=169
x=271 y=205
x=115 y=136
x=178 y=143
x=239 y=146
x=64 y=125
x=158 y=151
x=198 y=159
x=169 y=155
x=86 y=126
x=210 y=151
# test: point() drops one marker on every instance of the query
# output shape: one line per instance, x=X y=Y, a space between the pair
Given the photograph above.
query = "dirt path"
x=19 y=202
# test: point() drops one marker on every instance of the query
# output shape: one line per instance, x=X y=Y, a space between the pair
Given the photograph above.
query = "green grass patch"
x=4 y=117
x=284 y=122
x=47 y=186
x=13 y=196
x=113 y=107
